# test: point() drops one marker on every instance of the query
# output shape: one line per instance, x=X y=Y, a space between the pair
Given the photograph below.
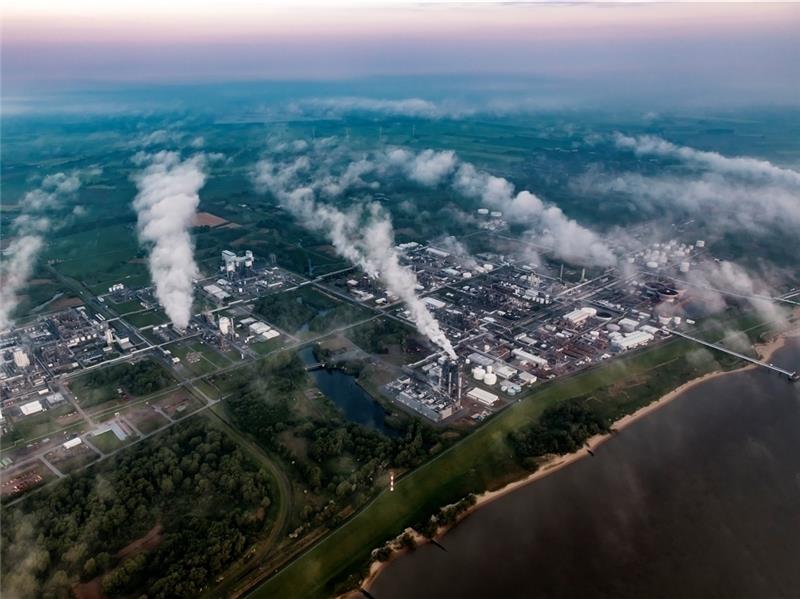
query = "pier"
x=791 y=375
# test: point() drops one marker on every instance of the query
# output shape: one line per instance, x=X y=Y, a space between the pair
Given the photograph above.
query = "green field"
x=106 y=442
x=204 y=358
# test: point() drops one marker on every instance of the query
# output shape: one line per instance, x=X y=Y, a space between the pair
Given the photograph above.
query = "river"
x=701 y=498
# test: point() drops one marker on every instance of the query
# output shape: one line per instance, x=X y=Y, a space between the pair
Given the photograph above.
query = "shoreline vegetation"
x=400 y=545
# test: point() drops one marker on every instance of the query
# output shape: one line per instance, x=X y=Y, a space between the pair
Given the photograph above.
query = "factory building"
x=216 y=292
x=579 y=316
x=525 y=356
x=485 y=397
x=631 y=340
x=21 y=359
x=233 y=264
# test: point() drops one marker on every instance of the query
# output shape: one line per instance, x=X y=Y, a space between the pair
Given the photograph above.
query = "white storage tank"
x=478 y=373
x=684 y=267
x=652 y=264
x=490 y=379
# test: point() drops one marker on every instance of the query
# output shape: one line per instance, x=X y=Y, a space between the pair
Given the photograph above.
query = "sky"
x=706 y=49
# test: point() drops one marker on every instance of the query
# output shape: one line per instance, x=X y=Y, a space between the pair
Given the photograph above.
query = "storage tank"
x=684 y=267
x=224 y=325
x=490 y=379
x=652 y=264
x=478 y=373
x=700 y=243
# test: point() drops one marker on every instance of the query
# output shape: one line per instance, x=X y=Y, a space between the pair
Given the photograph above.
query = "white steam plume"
x=711 y=281
x=28 y=229
x=743 y=166
x=166 y=206
x=363 y=235
x=567 y=238
x=737 y=194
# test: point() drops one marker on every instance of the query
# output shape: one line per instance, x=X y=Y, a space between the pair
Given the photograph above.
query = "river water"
x=701 y=498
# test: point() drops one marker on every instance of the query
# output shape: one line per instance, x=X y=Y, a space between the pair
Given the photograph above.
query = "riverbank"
x=553 y=464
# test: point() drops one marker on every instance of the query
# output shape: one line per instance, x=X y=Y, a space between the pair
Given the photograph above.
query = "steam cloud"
x=29 y=228
x=363 y=235
x=738 y=194
x=166 y=205
x=566 y=237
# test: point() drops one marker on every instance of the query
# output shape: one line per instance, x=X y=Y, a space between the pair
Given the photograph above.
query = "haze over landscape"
x=290 y=289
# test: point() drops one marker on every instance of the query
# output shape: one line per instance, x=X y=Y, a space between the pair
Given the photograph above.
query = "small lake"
x=343 y=390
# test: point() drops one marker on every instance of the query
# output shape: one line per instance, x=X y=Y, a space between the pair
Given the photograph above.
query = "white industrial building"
x=525 y=356
x=483 y=396
x=32 y=407
x=580 y=315
x=631 y=340
x=21 y=359
x=216 y=292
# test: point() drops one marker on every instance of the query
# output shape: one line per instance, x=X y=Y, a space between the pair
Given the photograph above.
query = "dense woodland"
x=193 y=481
x=562 y=429
x=137 y=378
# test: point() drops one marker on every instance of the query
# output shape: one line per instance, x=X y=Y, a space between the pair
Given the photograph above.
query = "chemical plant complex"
x=513 y=326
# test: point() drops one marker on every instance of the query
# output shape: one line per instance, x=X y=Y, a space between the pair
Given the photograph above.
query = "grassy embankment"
x=485 y=460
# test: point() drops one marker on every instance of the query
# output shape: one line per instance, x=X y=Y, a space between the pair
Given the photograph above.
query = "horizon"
x=685 y=54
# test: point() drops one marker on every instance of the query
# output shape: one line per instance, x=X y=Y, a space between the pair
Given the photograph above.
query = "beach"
x=553 y=464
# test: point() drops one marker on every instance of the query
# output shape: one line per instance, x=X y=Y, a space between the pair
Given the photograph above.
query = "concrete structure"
x=216 y=292
x=21 y=359
x=580 y=315
x=32 y=407
x=525 y=356
x=483 y=396
x=72 y=443
x=631 y=340
x=233 y=264
x=224 y=325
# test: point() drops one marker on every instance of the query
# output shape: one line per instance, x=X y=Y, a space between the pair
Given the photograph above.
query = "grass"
x=106 y=442
x=147 y=318
x=210 y=360
x=483 y=460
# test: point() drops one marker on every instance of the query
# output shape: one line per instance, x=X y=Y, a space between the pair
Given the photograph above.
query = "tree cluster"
x=139 y=378
x=562 y=429
x=192 y=481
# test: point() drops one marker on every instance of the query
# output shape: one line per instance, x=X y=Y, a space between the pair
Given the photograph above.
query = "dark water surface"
x=342 y=389
x=699 y=499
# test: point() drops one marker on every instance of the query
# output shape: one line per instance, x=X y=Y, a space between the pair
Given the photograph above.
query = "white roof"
x=31 y=407
x=72 y=443
x=483 y=396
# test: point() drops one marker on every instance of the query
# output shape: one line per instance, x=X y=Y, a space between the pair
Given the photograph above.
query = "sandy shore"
x=764 y=350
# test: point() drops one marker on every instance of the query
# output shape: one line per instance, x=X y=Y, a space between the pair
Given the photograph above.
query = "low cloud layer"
x=737 y=194
x=28 y=232
x=166 y=206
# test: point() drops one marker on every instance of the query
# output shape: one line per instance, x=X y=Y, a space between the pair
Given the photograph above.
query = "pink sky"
x=161 y=39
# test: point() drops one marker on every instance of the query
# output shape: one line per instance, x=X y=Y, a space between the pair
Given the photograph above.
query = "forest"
x=138 y=378
x=189 y=491
x=562 y=429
